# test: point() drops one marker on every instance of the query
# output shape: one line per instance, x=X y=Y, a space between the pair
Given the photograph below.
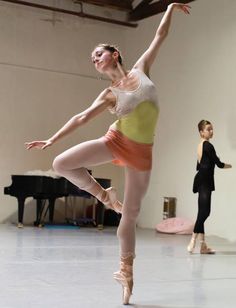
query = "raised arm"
x=103 y=101
x=146 y=60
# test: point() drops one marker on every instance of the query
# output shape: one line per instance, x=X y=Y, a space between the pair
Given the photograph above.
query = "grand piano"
x=47 y=189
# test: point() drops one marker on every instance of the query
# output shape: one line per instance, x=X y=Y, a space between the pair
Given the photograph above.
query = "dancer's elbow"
x=80 y=119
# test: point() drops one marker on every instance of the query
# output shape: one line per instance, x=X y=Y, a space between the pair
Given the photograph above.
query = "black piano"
x=47 y=189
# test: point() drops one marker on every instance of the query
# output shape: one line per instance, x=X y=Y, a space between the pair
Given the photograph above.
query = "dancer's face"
x=103 y=59
x=207 y=132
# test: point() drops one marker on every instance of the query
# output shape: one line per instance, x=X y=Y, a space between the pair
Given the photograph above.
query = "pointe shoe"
x=191 y=245
x=204 y=250
x=127 y=285
x=107 y=196
x=125 y=277
x=110 y=200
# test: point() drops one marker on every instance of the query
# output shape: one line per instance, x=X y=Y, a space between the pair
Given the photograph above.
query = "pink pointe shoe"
x=109 y=199
x=191 y=245
x=204 y=250
x=125 y=277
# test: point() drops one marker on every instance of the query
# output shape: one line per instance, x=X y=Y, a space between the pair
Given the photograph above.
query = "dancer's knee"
x=58 y=165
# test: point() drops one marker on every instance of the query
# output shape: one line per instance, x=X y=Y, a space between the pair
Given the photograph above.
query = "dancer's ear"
x=115 y=56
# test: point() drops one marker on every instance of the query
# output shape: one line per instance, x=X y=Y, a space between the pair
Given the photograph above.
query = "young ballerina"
x=132 y=97
x=204 y=184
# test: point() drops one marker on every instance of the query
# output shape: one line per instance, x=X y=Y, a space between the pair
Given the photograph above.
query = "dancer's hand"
x=38 y=144
x=180 y=6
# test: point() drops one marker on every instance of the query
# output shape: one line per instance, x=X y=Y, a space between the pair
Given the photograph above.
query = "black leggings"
x=204 y=209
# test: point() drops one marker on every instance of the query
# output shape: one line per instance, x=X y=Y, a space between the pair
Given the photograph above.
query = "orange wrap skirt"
x=127 y=152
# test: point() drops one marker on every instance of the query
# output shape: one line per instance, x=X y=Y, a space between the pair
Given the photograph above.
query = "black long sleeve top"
x=205 y=169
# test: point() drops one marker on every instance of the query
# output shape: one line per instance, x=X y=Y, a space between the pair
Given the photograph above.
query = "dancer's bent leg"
x=72 y=165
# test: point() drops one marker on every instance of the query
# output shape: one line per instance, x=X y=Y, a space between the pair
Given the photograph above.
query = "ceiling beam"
x=142 y=4
x=124 y=5
x=69 y=12
x=146 y=8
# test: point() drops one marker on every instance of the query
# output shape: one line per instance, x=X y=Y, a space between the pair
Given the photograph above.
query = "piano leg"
x=39 y=210
x=21 y=205
x=51 y=209
x=100 y=210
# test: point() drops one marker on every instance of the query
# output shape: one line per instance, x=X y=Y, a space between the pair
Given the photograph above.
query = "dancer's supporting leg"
x=72 y=164
x=204 y=209
x=136 y=183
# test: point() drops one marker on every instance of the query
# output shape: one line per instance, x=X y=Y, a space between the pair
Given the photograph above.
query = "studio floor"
x=71 y=267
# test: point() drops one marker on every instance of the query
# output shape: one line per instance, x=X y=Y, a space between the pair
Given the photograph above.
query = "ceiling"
x=134 y=10
x=125 y=5
x=143 y=8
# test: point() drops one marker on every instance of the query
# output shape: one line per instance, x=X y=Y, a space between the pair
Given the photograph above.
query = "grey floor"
x=72 y=267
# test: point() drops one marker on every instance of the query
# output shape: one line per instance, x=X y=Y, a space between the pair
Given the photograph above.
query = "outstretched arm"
x=212 y=154
x=99 y=105
x=146 y=60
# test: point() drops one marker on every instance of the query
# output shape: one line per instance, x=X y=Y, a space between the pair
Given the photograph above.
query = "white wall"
x=46 y=76
x=195 y=74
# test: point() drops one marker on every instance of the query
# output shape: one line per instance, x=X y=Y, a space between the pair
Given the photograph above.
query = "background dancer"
x=204 y=184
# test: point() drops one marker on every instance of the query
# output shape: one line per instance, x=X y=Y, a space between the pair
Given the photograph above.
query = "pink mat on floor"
x=176 y=225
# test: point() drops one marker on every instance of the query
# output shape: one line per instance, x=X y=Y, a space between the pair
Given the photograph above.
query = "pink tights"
x=72 y=165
